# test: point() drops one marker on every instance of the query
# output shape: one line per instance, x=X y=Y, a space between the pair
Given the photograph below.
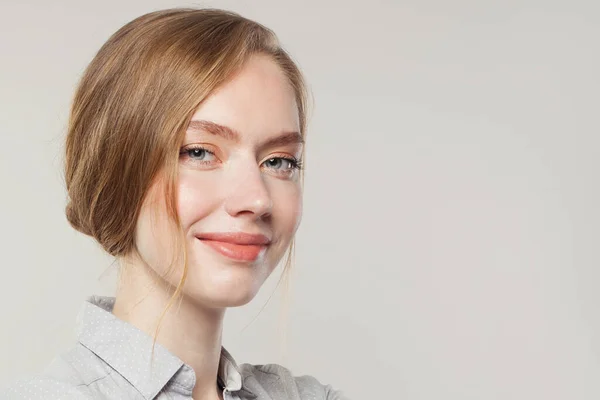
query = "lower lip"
x=238 y=252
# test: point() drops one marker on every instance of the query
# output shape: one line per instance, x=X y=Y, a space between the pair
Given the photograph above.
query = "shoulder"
x=280 y=382
x=42 y=388
x=66 y=377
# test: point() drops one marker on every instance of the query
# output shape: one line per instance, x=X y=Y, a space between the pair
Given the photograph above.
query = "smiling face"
x=238 y=190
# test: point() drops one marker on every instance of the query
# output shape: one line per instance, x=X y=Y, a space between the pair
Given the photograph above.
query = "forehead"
x=258 y=101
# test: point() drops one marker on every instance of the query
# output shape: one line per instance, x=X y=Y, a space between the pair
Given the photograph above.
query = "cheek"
x=287 y=208
x=196 y=198
x=286 y=217
x=153 y=237
x=155 y=232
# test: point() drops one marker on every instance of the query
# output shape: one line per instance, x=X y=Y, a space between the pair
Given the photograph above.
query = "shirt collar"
x=128 y=350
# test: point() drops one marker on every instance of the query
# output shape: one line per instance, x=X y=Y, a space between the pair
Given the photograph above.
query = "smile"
x=236 y=246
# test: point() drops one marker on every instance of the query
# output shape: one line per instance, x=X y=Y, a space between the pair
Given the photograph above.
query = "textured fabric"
x=112 y=360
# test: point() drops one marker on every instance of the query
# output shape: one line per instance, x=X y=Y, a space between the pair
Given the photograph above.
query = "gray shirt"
x=112 y=361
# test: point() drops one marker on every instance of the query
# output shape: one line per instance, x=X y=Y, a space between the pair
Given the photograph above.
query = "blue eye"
x=280 y=163
x=274 y=163
x=197 y=153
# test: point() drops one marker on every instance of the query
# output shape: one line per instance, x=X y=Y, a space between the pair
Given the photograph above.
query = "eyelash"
x=185 y=151
x=295 y=163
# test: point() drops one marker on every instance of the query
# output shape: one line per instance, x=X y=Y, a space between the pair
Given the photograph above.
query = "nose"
x=249 y=195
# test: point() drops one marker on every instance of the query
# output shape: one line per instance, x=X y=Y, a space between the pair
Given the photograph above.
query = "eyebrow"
x=231 y=134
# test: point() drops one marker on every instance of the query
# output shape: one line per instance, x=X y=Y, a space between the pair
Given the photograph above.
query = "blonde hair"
x=132 y=107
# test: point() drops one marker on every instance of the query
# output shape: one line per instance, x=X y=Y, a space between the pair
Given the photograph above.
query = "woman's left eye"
x=280 y=163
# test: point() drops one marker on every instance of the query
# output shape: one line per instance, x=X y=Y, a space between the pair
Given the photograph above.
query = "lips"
x=237 y=246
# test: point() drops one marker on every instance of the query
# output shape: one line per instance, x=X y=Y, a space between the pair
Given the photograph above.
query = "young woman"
x=183 y=160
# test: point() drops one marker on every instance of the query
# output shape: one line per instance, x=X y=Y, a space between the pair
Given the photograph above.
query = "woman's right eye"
x=197 y=154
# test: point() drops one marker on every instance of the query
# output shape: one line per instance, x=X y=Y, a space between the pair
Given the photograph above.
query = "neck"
x=187 y=330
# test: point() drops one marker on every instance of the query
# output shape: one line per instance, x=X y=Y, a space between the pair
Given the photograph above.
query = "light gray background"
x=449 y=247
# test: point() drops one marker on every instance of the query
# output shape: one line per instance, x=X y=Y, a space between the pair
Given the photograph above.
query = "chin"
x=217 y=282
x=232 y=291
x=222 y=300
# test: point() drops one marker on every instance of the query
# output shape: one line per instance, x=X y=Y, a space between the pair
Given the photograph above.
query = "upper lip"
x=236 y=238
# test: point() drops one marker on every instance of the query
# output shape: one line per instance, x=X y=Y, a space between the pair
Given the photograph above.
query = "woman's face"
x=238 y=190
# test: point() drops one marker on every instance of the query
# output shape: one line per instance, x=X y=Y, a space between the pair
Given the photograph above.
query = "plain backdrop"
x=450 y=241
